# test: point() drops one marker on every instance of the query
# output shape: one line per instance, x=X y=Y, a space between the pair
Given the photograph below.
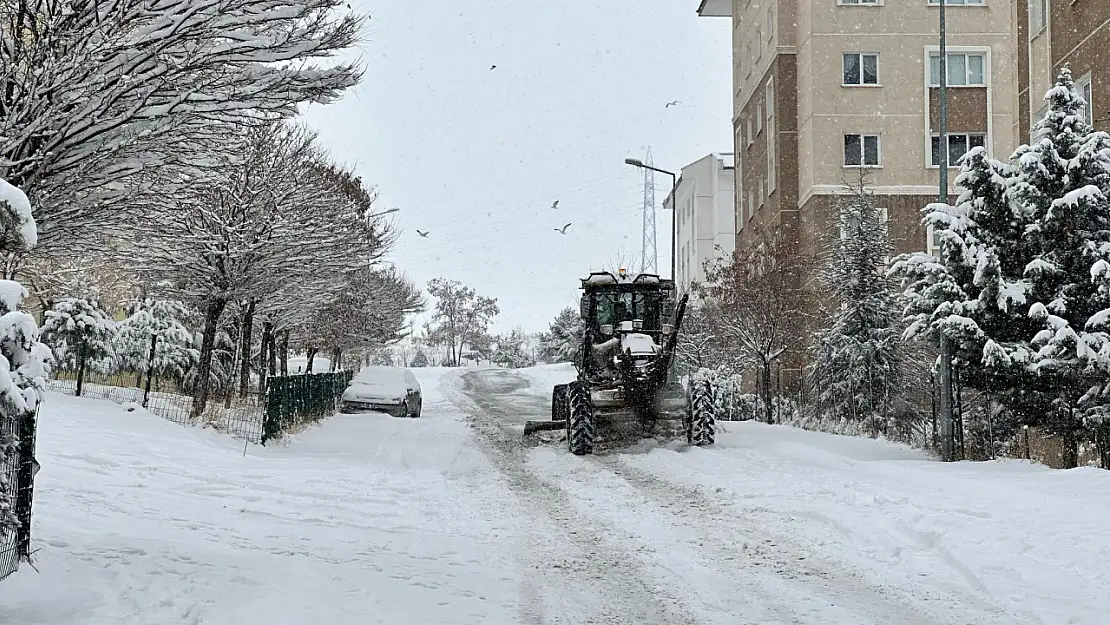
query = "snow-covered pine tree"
x=563 y=340
x=510 y=350
x=23 y=359
x=81 y=335
x=154 y=341
x=1021 y=287
x=383 y=357
x=857 y=370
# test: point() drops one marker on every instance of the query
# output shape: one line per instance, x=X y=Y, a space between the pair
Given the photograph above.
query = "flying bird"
x=673 y=103
x=555 y=204
x=423 y=234
x=492 y=67
x=562 y=230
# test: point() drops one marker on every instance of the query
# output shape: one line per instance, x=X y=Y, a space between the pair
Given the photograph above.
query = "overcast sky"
x=477 y=156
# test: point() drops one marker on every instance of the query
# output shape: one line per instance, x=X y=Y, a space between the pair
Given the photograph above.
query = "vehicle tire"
x=419 y=409
x=559 y=403
x=581 y=426
x=701 y=418
x=403 y=411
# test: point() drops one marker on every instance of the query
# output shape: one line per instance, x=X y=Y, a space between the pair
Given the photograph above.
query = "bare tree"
x=756 y=305
x=101 y=102
x=460 y=317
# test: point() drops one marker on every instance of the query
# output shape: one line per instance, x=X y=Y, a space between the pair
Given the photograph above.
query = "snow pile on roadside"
x=542 y=378
x=365 y=519
x=1014 y=538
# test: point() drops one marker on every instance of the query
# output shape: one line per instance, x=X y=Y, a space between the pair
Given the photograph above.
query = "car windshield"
x=381 y=376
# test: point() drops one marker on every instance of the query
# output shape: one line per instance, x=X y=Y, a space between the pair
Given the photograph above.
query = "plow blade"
x=531 y=427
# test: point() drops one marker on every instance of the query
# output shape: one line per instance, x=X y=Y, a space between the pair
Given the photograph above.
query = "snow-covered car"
x=392 y=390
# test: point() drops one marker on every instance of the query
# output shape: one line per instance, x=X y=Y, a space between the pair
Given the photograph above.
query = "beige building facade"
x=706 y=226
x=827 y=90
x=823 y=89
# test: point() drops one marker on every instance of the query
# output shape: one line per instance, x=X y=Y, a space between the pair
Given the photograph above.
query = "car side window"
x=410 y=379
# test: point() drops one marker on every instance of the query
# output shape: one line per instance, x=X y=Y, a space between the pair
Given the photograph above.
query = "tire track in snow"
x=580 y=570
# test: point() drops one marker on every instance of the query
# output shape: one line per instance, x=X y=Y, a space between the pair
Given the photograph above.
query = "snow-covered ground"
x=450 y=518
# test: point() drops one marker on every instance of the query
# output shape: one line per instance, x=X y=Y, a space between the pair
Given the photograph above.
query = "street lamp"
x=635 y=162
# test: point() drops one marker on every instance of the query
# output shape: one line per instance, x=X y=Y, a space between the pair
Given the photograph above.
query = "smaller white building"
x=706 y=216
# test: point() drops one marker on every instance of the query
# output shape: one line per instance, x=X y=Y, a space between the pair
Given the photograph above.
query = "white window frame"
x=770 y=23
x=758 y=43
x=1086 y=90
x=762 y=192
x=967 y=135
x=1038 y=26
x=878 y=70
x=863 y=149
x=750 y=138
x=748 y=55
x=751 y=203
x=932 y=245
x=935 y=54
x=769 y=96
x=758 y=115
x=770 y=163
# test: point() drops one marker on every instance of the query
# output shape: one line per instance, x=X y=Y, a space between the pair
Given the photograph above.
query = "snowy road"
x=452 y=519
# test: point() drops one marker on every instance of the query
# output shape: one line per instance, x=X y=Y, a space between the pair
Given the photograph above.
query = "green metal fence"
x=292 y=401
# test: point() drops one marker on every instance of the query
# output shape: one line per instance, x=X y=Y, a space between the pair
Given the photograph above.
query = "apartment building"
x=706 y=216
x=1051 y=34
x=827 y=90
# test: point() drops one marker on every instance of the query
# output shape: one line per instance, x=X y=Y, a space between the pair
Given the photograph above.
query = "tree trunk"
x=149 y=369
x=204 y=367
x=263 y=357
x=245 y=340
x=80 y=364
x=765 y=384
x=311 y=356
x=338 y=358
x=271 y=352
x=285 y=352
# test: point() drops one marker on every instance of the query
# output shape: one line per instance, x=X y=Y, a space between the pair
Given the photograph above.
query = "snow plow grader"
x=626 y=387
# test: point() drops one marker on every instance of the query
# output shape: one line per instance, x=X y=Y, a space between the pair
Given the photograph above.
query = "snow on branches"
x=80 y=334
x=563 y=340
x=856 y=373
x=1022 y=285
x=104 y=102
x=23 y=359
x=154 y=340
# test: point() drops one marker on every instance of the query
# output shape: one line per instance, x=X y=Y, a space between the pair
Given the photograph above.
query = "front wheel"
x=701 y=417
x=581 y=426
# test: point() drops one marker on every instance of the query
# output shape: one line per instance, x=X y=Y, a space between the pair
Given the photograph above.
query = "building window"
x=762 y=192
x=770 y=23
x=853 y=222
x=770 y=164
x=950 y=3
x=758 y=117
x=932 y=241
x=748 y=130
x=964 y=69
x=1038 y=16
x=770 y=102
x=748 y=55
x=758 y=43
x=958 y=145
x=1083 y=86
x=861 y=69
x=751 y=203
x=861 y=150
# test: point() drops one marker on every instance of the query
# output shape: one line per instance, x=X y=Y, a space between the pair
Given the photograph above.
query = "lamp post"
x=947 y=416
x=635 y=162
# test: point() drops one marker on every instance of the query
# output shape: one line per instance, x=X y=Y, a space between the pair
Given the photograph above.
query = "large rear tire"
x=701 y=417
x=559 y=403
x=581 y=422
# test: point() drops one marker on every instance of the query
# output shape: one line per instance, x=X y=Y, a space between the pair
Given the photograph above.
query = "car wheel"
x=419 y=409
x=404 y=410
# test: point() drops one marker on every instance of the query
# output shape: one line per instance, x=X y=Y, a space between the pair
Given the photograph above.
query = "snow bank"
x=541 y=379
x=359 y=521
x=1022 y=538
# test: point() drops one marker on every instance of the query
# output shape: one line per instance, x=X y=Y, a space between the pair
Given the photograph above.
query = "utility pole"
x=947 y=437
x=649 y=252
